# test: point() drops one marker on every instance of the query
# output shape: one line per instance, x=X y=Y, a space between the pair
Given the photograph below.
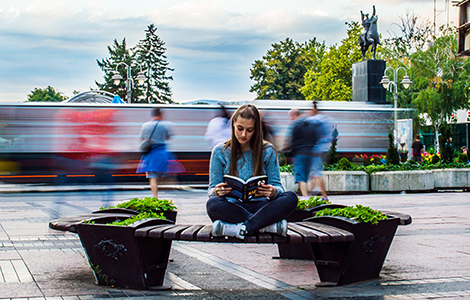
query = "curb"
x=8 y=188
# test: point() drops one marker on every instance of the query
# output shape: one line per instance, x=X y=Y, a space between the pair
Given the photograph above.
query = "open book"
x=245 y=191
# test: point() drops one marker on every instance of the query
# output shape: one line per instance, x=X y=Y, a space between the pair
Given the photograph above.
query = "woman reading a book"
x=246 y=155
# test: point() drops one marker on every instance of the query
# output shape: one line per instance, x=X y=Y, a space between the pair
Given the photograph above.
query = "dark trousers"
x=256 y=214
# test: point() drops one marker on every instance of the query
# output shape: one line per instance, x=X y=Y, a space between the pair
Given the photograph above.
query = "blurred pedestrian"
x=418 y=149
x=324 y=135
x=219 y=129
x=463 y=150
x=300 y=142
x=158 y=162
x=268 y=132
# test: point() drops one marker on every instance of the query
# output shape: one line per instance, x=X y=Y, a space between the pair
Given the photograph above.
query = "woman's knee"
x=213 y=204
x=291 y=199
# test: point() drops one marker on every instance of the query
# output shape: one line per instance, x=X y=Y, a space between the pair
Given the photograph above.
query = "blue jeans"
x=316 y=169
x=255 y=214
x=302 y=164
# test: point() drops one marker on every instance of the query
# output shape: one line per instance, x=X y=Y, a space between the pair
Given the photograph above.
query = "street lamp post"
x=392 y=86
x=129 y=81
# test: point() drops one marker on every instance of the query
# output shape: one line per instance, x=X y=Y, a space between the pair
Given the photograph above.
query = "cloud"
x=211 y=44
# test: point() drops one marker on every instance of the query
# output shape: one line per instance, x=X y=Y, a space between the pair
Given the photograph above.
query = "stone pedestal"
x=366 y=76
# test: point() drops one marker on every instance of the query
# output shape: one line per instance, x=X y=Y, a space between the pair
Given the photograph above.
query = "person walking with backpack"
x=300 y=143
x=324 y=126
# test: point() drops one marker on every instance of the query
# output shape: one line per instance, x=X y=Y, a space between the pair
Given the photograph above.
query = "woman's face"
x=244 y=130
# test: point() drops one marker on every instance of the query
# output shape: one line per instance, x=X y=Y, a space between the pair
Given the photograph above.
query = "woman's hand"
x=222 y=189
x=267 y=190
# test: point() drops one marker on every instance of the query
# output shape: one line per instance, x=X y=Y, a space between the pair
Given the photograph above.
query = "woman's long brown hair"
x=249 y=112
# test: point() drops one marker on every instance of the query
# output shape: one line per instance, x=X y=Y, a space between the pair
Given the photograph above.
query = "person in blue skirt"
x=158 y=162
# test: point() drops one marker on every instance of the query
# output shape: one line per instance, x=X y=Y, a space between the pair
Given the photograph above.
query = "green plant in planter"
x=344 y=164
x=147 y=204
x=311 y=202
x=435 y=159
x=462 y=158
x=289 y=168
x=358 y=213
x=138 y=217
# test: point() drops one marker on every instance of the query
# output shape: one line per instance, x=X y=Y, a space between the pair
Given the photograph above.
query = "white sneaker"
x=277 y=228
x=220 y=228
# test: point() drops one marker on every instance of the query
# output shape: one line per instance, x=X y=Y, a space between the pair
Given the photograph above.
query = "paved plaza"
x=428 y=259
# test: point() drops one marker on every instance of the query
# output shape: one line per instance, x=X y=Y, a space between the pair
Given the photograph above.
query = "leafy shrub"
x=462 y=158
x=358 y=213
x=147 y=204
x=435 y=159
x=311 y=202
x=138 y=217
x=289 y=168
x=344 y=164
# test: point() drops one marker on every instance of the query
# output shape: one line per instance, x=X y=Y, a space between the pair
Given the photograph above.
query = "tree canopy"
x=332 y=78
x=118 y=52
x=280 y=73
x=147 y=56
x=440 y=79
x=48 y=94
x=151 y=53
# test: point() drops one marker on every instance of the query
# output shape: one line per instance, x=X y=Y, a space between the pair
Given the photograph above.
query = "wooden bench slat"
x=294 y=237
x=323 y=237
x=265 y=238
x=157 y=231
x=335 y=234
x=190 y=233
x=308 y=235
x=144 y=231
x=405 y=219
x=174 y=232
x=279 y=239
x=204 y=234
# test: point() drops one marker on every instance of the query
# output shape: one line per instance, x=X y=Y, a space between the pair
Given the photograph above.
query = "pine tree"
x=118 y=53
x=393 y=158
x=332 y=155
x=151 y=54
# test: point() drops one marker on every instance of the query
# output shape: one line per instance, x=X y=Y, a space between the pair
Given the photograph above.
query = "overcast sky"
x=210 y=44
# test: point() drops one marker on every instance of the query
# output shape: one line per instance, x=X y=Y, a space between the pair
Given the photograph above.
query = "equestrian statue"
x=370 y=37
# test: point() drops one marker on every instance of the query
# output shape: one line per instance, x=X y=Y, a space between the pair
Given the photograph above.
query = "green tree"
x=331 y=79
x=332 y=155
x=118 y=53
x=280 y=73
x=392 y=157
x=48 y=94
x=411 y=37
x=151 y=54
x=441 y=79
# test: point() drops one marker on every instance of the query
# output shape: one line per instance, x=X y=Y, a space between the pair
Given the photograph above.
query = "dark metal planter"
x=344 y=263
x=120 y=259
x=302 y=251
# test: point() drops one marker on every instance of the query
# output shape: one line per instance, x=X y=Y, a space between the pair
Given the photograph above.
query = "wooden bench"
x=299 y=232
x=332 y=241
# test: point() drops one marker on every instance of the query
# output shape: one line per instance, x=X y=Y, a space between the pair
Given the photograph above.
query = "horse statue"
x=370 y=37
